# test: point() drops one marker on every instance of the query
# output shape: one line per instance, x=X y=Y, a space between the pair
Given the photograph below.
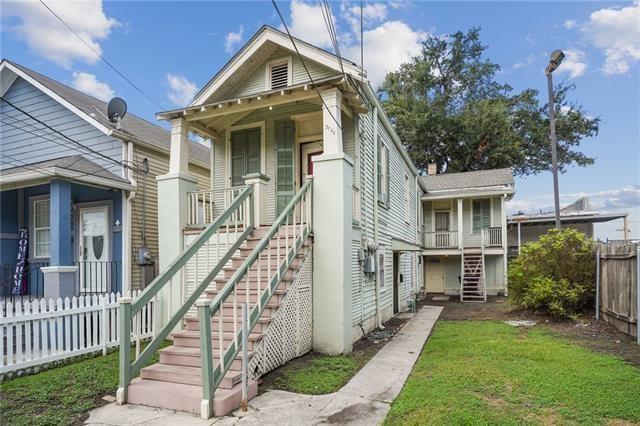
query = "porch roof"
x=212 y=118
x=74 y=167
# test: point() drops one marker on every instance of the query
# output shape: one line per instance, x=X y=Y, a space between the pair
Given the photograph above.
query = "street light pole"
x=554 y=151
x=556 y=59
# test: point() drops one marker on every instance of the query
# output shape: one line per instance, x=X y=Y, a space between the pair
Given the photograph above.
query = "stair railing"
x=294 y=223
x=226 y=232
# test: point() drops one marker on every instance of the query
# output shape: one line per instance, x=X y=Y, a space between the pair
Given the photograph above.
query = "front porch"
x=60 y=239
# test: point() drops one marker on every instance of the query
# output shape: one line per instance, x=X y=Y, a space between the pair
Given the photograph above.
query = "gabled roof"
x=468 y=180
x=74 y=167
x=94 y=111
x=254 y=53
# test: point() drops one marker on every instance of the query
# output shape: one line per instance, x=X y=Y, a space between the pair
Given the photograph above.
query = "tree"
x=448 y=109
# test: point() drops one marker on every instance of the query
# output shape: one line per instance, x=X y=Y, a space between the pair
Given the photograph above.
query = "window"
x=383 y=173
x=481 y=211
x=41 y=227
x=381 y=269
x=245 y=154
x=279 y=74
x=407 y=199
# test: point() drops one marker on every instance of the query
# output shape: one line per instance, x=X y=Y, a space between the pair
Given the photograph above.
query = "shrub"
x=554 y=275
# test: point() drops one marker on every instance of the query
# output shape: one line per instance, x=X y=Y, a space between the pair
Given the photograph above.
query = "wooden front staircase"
x=175 y=382
x=473 y=288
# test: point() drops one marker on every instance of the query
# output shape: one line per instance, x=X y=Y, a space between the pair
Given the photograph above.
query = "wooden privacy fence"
x=37 y=332
x=617 y=285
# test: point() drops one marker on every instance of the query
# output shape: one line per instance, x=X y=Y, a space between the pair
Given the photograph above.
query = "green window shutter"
x=386 y=176
x=238 y=146
x=379 y=169
x=285 y=182
x=253 y=151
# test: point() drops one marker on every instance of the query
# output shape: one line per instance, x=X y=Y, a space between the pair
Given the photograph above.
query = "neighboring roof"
x=74 y=167
x=464 y=180
x=137 y=127
x=565 y=217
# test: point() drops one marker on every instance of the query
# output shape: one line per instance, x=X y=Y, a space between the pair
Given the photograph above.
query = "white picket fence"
x=42 y=331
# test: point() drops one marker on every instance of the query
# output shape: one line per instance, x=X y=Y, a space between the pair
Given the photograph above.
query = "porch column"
x=60 y=276
x=460 y=224
x=173 y=214
x=259 y=183
x=503 y=234
x=332 y=121
x=332 y=228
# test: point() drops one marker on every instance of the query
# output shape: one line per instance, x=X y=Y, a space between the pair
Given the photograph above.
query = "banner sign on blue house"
x=21 y=263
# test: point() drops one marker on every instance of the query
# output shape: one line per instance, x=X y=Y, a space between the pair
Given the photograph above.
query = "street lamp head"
x=554 y=62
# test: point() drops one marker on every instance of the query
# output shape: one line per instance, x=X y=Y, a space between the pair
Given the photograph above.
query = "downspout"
x=127 y=222
x=375 y=213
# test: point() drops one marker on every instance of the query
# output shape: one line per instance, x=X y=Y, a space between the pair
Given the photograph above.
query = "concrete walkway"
x=365 y=400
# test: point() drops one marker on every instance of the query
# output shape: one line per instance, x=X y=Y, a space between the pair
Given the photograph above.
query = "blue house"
x=78 y=211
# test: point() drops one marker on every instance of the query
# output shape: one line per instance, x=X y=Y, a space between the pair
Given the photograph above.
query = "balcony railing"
x=98 y=277
x=493 y=237
x=441 y=239
x=202 y=208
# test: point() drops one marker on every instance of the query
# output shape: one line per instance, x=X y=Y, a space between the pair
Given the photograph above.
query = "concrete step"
x=182 y=397
x=278 y=295
x=191 y=339
x=219 y=283
x=192 y=324
x=190 y=357
x=253 y=272
x=186 y=375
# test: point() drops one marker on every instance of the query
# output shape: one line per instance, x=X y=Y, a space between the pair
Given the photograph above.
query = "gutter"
x=375 y=215
x=127 y=253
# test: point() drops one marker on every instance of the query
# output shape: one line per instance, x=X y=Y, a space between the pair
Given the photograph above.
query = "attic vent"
x=279 y=75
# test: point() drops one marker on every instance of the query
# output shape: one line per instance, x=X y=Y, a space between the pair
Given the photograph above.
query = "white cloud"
x=181 y=91
x=371 y=13
x=570 y=23
x=89 y=84
x=308 y=25
x=625 y=199
x=530 y=59
x=46 y=36
x=386 y=47
x=575 y=63
x=233 y=39
x=616 y=31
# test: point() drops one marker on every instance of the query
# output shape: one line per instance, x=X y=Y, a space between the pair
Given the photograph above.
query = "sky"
x=171 y=49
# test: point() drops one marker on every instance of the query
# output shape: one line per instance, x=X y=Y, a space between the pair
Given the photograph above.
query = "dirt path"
x=588 y=332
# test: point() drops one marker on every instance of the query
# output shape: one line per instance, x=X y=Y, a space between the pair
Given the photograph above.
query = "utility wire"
x=100 y=56
x=63 y=135
x=303 y=64
x=328 y=21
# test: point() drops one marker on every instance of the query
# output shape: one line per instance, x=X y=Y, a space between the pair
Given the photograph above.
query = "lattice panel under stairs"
x=289 y=335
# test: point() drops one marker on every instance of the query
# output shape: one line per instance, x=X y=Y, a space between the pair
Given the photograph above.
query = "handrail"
x=212 y=377
x=128 y=308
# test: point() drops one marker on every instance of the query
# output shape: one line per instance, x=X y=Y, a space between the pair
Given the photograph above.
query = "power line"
x=63 y=135
x=328 y=21
x=100 y=56
x=303 y=64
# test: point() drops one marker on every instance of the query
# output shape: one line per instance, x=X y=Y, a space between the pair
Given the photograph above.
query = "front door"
x=396 y=282
x=442 y=229
x=308 y=151
x=434 y=275
x=94 y=248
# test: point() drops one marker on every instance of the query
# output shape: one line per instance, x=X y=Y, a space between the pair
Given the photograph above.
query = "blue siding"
x=32 y=143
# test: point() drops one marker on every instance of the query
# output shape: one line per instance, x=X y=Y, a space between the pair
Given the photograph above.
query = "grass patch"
x=316 y=374
x=62 y=395
x=485 y=372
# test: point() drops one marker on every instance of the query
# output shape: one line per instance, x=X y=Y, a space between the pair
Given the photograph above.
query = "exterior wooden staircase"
x=175 y=382
x=473 y=288
x=203 y=371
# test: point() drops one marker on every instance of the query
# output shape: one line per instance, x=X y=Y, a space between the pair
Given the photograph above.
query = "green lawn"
x=317 y=374
x=60 y=396
x=483 y=372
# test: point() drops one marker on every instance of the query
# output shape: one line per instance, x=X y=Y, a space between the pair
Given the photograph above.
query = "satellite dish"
x=116 y=110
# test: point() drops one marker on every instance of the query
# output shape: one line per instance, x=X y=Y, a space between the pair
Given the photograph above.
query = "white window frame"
x=381 y=269
x=382 y=172
x=407 y=198
x=32 y=226
x=275 y=62
x=473 y=232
